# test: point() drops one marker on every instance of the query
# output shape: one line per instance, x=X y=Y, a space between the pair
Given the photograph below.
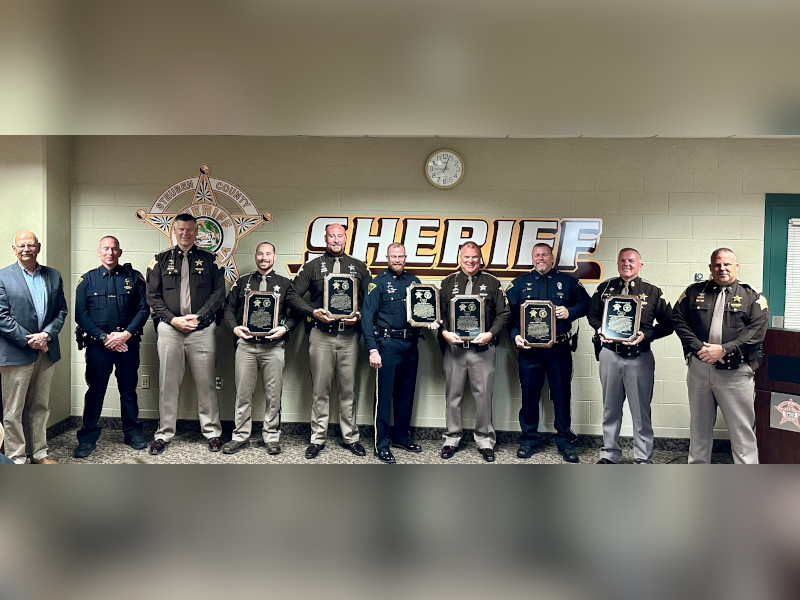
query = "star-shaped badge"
x=277 y=288
x=643 y=297
x=483 y=288
x=737 y=298
x=198 y=262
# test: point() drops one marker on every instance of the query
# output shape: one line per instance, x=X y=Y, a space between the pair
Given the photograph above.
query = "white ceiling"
x=402 y=68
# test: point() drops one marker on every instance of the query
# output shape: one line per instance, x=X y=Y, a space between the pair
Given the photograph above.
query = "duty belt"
x=403 y=334
x=624 y=350
x=331 y=327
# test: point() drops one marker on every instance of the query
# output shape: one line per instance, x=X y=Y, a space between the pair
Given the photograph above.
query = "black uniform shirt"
x=311 y=280
x=234 y=305
x=485 y=285
x=655 y=308
x=744 y=323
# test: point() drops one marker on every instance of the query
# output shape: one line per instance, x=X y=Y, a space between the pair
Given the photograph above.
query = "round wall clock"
x=444 y=169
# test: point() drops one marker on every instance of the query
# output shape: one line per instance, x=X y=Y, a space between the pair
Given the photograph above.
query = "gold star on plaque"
x=257 y=303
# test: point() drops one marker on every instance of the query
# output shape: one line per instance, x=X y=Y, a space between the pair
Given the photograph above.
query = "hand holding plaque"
x=261 y=312
x=537 y=323
x=340 y=297
x=621 y=318
x=422 y=305
x=467 y=317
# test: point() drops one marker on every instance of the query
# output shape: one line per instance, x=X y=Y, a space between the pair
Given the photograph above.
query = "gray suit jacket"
x=18 y=315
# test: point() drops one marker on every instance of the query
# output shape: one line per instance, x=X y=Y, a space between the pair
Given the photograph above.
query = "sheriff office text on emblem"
x=218 y=230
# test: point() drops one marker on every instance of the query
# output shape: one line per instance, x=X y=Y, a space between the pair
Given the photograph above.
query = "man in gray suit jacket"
x=32 y=312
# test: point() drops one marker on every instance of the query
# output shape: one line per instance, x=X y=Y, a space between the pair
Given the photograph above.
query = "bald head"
x=26 y=247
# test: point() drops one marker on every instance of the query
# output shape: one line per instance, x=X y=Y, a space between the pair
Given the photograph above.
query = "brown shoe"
x=44 y=461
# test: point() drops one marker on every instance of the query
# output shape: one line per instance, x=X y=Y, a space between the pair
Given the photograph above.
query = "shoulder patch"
x=682 y=296
x=510 y=285
x=762 y=302
x=370 y=287
x=152 y=264
x=80 y=279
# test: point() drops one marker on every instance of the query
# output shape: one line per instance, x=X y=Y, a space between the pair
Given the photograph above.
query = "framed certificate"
x=467 y=317
x=261 y=312
x=422 y=305
x=621 y=318
x=340 y=297
x=537 y=323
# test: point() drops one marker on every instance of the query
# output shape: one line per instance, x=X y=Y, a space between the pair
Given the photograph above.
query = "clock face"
x=444 y=169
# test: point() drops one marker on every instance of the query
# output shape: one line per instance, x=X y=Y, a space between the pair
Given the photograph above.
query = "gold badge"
x=643 y=297
x=198 y=262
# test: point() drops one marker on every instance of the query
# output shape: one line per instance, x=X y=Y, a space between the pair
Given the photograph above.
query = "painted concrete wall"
x=35 y=195
x=673 y=199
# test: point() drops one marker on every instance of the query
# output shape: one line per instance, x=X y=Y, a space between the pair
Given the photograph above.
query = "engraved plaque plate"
x=261 y=312
x=340 y=297
x=537 y=323
x=422 y=305
x=467 y=317
x=621 y=317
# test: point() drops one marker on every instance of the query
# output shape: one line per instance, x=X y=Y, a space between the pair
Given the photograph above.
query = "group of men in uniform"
x=721 y=323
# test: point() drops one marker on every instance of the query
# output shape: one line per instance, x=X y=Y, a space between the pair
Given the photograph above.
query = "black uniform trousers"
x=534 y=365
x=99 y=364
x=396 y=382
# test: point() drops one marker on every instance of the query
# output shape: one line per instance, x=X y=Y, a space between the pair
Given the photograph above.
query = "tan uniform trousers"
x=734 y=392
x=268 y=361
x=175 y=349
x=331 y=355
x=460 y=364
x=26 y=408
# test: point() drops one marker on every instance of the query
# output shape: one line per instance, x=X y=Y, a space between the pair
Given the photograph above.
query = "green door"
x=779 y=209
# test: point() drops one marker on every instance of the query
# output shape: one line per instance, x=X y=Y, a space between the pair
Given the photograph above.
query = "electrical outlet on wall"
x=145 y=382
x=219 y=383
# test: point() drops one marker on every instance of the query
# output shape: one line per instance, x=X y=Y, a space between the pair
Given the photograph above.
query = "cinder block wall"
x=673 y=199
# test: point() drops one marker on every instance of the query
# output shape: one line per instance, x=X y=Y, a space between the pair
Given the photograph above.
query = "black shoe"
x=233 y=446
x=605 y=461
x=569 y=454
x=408 y=447
x=385 y=456
x=215 y=444
x=356 y=448
x=273 y=448
x=313 y=450
x=84 y=450
x=448 y=452
x=158 y=446
x=136 y=441
x=525 y=451
x=487 y=454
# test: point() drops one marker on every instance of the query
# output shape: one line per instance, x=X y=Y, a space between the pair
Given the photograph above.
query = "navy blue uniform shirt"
x=92 y=301
x=385 y=304
x=559 y=288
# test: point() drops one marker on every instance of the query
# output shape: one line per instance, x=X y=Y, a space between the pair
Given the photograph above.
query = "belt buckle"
x=465 y=344
x=341 y=325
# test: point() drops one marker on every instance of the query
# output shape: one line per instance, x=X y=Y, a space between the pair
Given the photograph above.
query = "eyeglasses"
x=25 y=246
x=396 y=256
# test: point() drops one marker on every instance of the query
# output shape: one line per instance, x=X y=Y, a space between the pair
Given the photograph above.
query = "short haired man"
x=393 y=353
x=264 y=355
x=473 y=360
x=628 y=368
x=111 y=309
x=721 y=323
x=185 y=289
x=32 y=312
x=332 y=344
x=544 y=282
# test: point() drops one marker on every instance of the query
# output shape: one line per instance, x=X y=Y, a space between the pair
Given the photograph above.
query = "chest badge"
x=323 y=268
x=390 y=288
x=128 y=285
x=277 y=288
x=701 y=297
x=483 y=288
x=643 y=297
x=352 y=269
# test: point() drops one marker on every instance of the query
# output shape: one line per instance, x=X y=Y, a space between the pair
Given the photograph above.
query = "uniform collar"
x=103 y=271
x=331 y=257
x=392 y=274
x=538 y=275
x=188 y=252
x=730 y=286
